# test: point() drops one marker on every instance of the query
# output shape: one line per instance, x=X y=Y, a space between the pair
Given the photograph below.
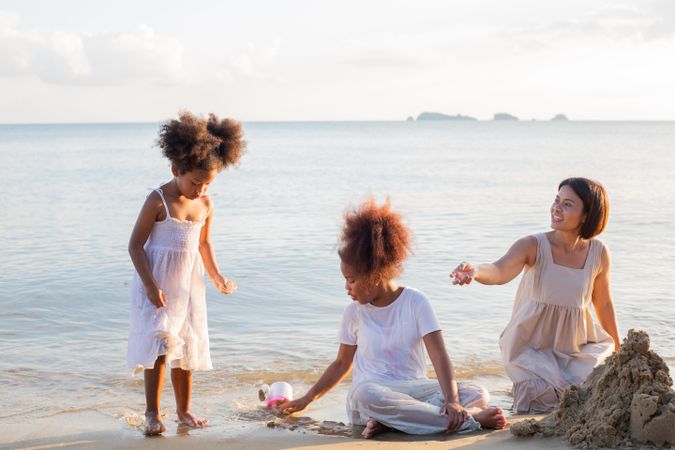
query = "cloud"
x=664 y=26
x=637 y=22
x=105 y=58
x=254 y=62
x=139 y=55
x=390 y=51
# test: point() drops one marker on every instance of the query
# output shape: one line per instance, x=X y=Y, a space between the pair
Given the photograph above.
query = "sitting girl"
x=383 y=334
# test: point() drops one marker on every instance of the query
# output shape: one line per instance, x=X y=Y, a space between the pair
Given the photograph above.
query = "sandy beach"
x=86 y=430
x=266 y=126
x=63 y=373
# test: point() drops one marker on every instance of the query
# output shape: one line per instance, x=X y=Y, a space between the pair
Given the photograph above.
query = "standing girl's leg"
x=182 y=389
x=154 y=383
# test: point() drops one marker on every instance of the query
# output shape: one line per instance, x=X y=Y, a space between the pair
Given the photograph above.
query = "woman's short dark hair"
x=596 y=204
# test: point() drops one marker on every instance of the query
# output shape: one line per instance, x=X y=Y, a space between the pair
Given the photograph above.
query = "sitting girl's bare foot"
x=186 y=418
x=491 y=417
x=373 y=428
x=153 y=424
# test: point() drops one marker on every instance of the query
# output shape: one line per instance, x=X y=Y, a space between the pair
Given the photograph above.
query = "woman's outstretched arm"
x=333 y=374
x=522 y=253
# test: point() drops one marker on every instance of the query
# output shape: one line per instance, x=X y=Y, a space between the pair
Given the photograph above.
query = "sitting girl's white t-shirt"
x=389 y=338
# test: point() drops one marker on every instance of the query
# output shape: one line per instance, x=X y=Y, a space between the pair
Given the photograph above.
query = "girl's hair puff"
x=374 y=240
x=191 y=142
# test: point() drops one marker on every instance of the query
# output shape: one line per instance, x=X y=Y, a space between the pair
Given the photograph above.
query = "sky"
x=143 y=61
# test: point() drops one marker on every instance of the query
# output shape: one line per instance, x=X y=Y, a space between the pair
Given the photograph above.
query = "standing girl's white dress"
x=178 y=330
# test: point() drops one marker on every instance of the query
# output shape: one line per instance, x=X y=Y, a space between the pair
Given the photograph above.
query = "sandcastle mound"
x=626 y=402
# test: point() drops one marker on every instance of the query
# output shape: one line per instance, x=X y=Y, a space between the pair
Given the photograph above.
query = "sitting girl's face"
x=193 y=184
x=359 y=287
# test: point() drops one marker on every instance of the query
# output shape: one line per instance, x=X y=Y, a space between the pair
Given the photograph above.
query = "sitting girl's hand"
x=224 y=285
x=156 y=296
x=457 y=415
x=463 y=274
x=294 y=406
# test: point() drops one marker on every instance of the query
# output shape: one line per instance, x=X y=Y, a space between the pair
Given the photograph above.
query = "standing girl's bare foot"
x=186 y=418
x=153 y=424
x=492 y=417
x=373 y=428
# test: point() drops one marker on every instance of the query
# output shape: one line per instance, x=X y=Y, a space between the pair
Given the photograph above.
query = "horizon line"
x=343 y=121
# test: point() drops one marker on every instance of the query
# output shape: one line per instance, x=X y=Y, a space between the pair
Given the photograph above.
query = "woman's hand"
x=294 y=406
x=463 y=274
x=223 y=284
x=156 y=296
x=457 y=415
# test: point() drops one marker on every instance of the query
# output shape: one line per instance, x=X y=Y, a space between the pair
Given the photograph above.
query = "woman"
x=551 y=340
x=383 y=334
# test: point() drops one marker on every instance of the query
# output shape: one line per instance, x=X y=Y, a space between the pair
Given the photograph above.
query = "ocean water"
x=69 y=196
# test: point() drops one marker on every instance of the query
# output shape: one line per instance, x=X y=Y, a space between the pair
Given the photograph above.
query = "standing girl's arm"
x=435 y=345
x=146 y=220
x=522 y=253
x=602 y=299
x=209 y=257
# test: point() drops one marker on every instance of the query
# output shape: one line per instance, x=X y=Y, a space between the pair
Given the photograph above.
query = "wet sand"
x=89 y=430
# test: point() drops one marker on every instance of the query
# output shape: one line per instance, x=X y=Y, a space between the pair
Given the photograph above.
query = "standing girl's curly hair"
x=191 y=142
x=374 y=240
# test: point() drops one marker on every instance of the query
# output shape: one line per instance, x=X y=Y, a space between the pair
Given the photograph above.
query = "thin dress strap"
x=206 y=216
x=594 y=256
x=208 y=211
x=543 y=259
x=161 y=195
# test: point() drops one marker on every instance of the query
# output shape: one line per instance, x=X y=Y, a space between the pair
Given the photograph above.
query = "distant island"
x=439 y=116
x=497 y=116
x=504 y=116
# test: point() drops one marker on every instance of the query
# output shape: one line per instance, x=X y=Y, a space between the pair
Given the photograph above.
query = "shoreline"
x=93 y=430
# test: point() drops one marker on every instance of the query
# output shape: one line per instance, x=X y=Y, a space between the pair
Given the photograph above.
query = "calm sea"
x=69 y=196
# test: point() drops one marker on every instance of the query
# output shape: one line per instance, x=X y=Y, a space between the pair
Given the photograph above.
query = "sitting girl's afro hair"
x=191 y=142
x=374 y=241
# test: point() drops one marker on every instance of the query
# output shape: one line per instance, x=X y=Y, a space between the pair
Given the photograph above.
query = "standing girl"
x=551 y=340
x=170 y=248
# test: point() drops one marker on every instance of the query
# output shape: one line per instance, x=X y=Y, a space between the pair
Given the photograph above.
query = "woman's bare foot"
x=373 y=428
x=153 y=424
x=491 y=417
x=186 y=418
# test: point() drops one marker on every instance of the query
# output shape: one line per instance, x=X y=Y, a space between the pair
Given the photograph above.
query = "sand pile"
x=626 y=402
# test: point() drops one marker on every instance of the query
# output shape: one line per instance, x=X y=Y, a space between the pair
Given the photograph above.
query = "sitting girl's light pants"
x=411 y=406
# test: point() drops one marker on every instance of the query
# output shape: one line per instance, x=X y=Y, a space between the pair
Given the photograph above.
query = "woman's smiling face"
x=567 y=210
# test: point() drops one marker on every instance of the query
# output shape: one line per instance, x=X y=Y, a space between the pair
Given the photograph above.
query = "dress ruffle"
x=153 y=345
x=534 y=396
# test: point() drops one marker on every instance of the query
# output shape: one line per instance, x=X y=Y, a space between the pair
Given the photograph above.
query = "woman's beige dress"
x=551 y=340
